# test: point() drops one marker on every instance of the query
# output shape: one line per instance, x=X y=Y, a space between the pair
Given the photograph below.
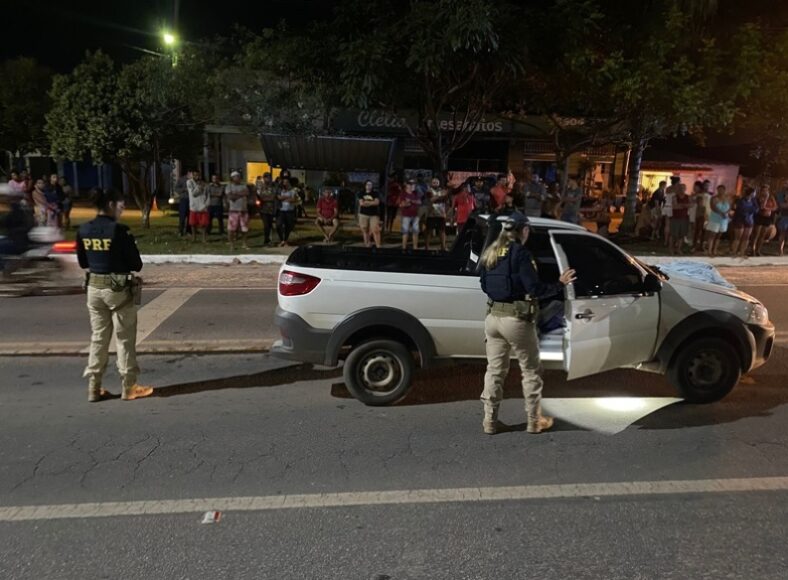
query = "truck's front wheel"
x=378 y=372
x=705 y=370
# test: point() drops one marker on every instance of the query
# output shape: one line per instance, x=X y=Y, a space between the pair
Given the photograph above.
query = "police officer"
x=108 y=250
x=510 y=280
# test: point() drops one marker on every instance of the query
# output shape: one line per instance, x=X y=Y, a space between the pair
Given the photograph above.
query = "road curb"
x=80 y=348
x=719 y=262
x=209 y=259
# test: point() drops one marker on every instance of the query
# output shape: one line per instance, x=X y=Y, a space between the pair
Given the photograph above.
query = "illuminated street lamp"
x=169 y=39
x=171 y=42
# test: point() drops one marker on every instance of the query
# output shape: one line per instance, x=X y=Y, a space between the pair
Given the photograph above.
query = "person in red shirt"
x=463 y=205
x=409 y=206
x=498 y=193
x=327 y=215
x=393 y=193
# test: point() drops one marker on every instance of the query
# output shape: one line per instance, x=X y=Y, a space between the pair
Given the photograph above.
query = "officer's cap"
x=515 y=221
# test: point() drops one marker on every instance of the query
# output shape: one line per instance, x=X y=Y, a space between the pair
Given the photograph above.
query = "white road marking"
x=151 y=316
x=155 y=312
x=395 y=497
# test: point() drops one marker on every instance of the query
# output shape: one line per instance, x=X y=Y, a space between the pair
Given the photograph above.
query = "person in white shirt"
x=667 y=207
x=199 y=218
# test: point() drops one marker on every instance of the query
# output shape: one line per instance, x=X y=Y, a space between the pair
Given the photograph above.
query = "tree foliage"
x=24 y=101
x=447 y=61
x=765 y=115
x=136 y=115
x=280 y=81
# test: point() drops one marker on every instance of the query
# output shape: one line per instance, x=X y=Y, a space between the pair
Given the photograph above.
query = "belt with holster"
x=523 y=309
x=116 y=282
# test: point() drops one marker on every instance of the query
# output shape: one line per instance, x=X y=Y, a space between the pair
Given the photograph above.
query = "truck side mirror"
x=652 y=283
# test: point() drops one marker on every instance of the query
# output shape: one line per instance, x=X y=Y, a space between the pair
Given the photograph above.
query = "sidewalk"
x=268 y=259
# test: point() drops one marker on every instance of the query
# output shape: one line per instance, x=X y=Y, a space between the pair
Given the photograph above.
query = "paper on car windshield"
x=695 y=271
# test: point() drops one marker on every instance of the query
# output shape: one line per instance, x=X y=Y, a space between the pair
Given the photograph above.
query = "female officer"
x=510 y=280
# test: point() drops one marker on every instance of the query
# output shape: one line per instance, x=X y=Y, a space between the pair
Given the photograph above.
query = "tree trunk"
x=630 y=206
x=562 y=165
x=140 y=189
x=146 y=217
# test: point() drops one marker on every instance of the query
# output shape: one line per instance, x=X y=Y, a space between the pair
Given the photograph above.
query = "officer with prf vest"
x=512 y=284
x=108 y=250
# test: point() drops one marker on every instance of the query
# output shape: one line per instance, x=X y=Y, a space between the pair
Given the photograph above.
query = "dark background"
x=57 y=33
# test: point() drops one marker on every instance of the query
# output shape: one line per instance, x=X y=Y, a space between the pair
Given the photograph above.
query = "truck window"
x=601 y=269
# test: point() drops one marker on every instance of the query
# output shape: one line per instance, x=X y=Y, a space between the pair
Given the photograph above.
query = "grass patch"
x=162 y=237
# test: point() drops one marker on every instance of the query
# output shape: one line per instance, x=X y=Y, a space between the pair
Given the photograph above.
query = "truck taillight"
x=294 y=284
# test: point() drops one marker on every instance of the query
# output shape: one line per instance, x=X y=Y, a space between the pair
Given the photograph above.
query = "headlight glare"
x=759 y=314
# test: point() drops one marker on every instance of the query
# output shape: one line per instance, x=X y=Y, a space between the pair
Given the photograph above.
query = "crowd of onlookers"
x=425 y=211
x=49 y=197
x=278 y=203
x=700 y=219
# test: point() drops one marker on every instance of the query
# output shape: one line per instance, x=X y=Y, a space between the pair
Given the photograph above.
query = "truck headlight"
x=759 y=314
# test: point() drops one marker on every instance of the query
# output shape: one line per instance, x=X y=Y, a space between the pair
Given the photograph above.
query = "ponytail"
x=491 y=255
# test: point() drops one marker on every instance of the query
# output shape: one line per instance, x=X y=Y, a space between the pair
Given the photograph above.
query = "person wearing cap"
x=108 y=250
x=513 y=288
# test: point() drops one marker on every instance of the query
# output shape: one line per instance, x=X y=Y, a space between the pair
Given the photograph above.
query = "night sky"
x=58 y=32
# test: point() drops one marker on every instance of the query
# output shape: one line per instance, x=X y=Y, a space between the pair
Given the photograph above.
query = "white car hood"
x=679 y=282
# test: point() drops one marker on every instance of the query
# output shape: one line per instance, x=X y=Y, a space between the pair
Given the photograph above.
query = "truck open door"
x=612 y=309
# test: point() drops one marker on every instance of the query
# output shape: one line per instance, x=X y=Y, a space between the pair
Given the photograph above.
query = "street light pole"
x=171 y=45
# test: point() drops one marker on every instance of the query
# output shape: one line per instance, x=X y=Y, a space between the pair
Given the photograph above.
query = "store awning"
x=327 y=153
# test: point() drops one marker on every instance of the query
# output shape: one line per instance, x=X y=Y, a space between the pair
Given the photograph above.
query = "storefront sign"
x=376 y=120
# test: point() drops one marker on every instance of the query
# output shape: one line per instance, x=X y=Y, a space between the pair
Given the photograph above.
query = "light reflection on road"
x=608 y=415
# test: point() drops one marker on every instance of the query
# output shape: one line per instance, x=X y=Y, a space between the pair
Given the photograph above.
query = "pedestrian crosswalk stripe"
x=394 y=497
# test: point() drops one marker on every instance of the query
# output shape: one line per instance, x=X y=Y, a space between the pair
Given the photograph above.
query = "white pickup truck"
x=385 y=311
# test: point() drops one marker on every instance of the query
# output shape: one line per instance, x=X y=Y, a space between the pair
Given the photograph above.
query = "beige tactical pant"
x=108 y=310
x=504 y=336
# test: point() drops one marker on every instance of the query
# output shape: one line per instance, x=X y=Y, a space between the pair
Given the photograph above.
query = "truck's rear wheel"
x=378 y=372
x=705 y=370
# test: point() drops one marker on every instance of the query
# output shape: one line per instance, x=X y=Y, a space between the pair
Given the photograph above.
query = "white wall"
x=726 y=175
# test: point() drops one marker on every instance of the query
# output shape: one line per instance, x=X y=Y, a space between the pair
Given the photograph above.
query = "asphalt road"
x=312 y=484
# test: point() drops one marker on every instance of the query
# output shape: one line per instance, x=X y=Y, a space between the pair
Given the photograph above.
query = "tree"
x=446 y=61
x=567 y=81
x=766 y=113
x=23 y=105
x=670 y=74
x=277 y=81
x=135 y=116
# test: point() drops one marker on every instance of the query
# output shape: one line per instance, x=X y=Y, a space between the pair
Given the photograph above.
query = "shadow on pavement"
x=463 y=381
x=272 y=378
x=757 y=395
